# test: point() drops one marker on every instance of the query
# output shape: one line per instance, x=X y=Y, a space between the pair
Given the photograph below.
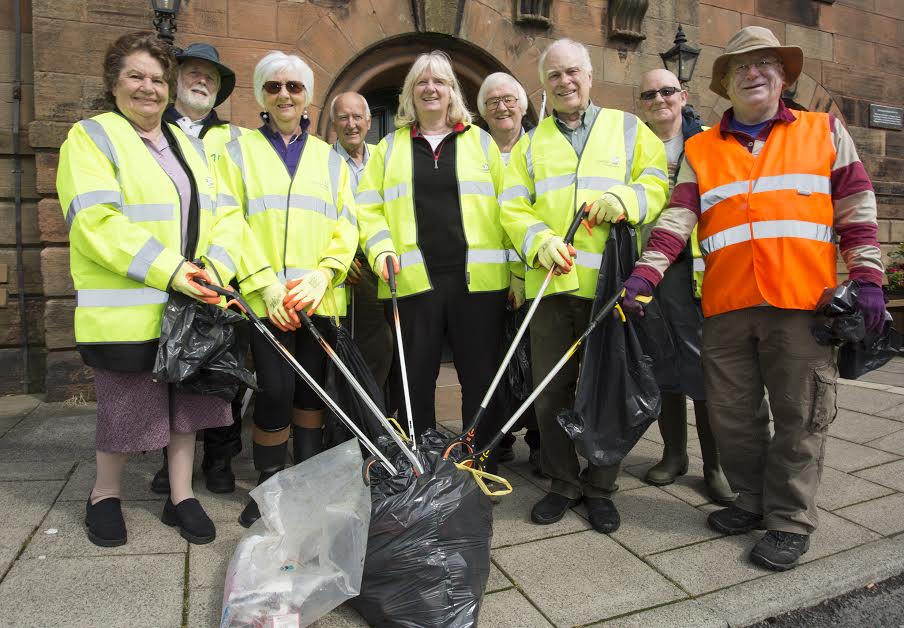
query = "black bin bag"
x=202 y=348
x=428 y=550
x=874 y=351
x=617 y=396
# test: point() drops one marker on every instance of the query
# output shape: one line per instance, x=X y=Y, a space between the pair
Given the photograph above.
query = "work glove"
x=636 y=290
x=554 y=252
x=183 y=281
x=354 y=272
x=380 y=265
x=871 y=301
x=273 y=296
x=308 y=290
x=516 y=292
x=608 y=208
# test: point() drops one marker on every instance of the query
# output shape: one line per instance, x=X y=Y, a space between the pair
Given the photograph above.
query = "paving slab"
x=836 y=534
x=207 y=563
x=861 y=428
x=685 y=613
x=11 y=542
x=885 y=515
x=510 y=609
x=654 y=521
x=890 y=475
x=883 y=377
x=54 y=434
x=710 y=565
x=866 y=400
x=583 y=578
x=109 y=591
x=343 y=617
x=24 y=504
x=146 y=533
x=645 y=452
x=809 y=584
x=895 y=412
x=497 y=580
x=893 y=443
x=224 y=508
x=20 y=471
x=17 y=406
x=847 y=456
x=205 y=606
x=838 y=489
x=688 y=488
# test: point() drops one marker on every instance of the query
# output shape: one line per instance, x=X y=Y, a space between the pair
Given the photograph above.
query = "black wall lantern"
x=165 y=12
x=681 y=59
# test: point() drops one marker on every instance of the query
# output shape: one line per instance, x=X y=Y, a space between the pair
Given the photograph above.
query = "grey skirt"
x=134 y=413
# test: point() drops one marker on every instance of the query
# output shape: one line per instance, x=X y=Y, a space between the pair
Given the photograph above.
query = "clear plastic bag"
x=305 y=556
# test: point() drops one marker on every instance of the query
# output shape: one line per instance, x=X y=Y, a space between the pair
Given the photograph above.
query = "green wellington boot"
x=673 y=427
x=717 y=486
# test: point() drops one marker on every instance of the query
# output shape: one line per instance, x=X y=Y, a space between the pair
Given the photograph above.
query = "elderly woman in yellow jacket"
x=427 y=205
x=301 y=235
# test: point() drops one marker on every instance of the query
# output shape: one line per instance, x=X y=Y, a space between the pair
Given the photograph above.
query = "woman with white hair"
x=301 y=236
x=502 y=102
x=427 y=205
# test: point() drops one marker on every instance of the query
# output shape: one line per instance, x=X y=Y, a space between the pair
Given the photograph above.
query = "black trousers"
x=473 y=323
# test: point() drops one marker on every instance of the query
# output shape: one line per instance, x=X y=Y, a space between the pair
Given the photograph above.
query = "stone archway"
x=381 y=69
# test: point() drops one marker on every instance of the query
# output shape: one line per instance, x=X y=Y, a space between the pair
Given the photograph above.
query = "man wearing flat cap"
x=771 y=189
x=203 y=83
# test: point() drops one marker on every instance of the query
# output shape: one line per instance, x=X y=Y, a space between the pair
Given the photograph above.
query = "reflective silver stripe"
x=487 y=256
x=512 y=255
x=597 y=183
x=699 y=264
x=390 y=139
x=410 y=258
x=120 y=298
x=262 y=203
x=292 y=273
x=722 y=192
x=530 y=153
x=348 y=215
x=308 y=203
x=368 y=197
x=335 y=168
x=727 y=237
x=144 y=259
x=90 y=199
x=532 y=232
x=235 y=153
x=641 y=194
x=793 y=229
x=630 y=141
x=98 y=135
x=516 y=191
x=588 y=259
x=149 y=212
x=379 y=235
x=234 y=132
x=226 y=199
x=550 y=184
x=481 y=188
x=394 y=192
x=485 y=139
x=218 y=253
x=656 y=172
x=199 y=147
x=205 y=202
x=804 y=183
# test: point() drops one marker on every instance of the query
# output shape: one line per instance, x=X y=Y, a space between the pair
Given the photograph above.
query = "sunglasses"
x=665 y=92
x=274 y=87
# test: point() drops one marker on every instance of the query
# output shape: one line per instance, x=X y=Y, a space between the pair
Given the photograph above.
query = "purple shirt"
x=171 y=166
x=290 y=154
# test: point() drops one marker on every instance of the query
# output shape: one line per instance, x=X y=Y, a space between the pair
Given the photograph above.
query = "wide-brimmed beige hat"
x=752 y=38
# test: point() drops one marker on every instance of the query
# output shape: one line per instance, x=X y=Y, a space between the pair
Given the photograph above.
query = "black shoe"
x=105 y=524
x=505 y=454
x=780 y=551
x=604 y=515
x=218 y=475
x=250 y=513
x=734 y=520
x=160 y=484
x=552 y=508
x=194 y=524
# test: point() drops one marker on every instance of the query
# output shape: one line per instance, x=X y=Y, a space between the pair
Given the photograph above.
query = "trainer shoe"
x=780 y=551
x=604 y=515
x=734 y=520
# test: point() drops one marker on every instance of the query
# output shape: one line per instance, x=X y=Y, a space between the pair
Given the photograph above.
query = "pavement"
x=663 y=567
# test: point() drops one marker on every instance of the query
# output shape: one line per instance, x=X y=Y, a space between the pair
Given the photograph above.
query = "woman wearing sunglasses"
x=301 y=236
x=427 y=205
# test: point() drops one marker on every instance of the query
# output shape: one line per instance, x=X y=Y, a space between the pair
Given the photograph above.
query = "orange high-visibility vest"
x=765 y=225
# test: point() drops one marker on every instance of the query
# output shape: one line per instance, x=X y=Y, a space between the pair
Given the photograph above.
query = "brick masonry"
x=853 y=49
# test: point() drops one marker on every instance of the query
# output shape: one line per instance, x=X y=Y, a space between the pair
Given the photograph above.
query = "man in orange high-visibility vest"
x=770 y=189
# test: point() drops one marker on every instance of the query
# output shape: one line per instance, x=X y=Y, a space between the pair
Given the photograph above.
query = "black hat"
x=206 y=52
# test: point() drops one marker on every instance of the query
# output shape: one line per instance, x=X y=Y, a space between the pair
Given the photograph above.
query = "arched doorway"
x=379 y=71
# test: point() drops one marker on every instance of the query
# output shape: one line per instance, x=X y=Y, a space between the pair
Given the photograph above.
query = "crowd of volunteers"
x=741 y=220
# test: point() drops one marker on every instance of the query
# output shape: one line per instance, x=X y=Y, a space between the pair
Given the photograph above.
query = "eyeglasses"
x=493 y=103
x=760 y=66
x=665 y=92
x=274 y=87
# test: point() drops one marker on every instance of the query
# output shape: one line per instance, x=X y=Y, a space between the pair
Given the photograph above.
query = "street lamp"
x=681 y=59
x=165 y=18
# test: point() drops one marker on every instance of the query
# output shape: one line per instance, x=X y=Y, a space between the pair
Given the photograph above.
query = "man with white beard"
x=203 y=83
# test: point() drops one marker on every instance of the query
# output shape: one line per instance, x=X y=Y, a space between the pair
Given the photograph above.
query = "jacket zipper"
x=288 y=198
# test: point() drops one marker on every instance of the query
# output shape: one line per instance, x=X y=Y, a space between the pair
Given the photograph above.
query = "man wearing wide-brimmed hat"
x=203 y=83
x=770 y=188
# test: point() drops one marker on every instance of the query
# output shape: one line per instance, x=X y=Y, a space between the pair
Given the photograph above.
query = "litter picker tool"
x=234 y=296
x=466 y=440
x=398 y=330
